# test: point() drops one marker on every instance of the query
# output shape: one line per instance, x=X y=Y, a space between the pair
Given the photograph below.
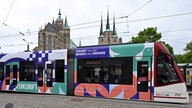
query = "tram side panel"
x=118 y=71
x=36 y=72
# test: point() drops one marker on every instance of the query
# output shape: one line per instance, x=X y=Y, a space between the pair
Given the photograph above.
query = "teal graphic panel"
x=59 y=88
x=24 y=86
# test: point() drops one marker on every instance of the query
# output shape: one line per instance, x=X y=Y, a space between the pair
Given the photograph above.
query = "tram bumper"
x=175 y=93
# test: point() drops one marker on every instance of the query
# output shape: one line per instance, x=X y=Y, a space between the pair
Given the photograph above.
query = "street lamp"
x=27 y=45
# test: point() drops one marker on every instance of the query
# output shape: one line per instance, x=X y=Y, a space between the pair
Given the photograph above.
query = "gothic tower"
x=108 y=36
x=55 y=35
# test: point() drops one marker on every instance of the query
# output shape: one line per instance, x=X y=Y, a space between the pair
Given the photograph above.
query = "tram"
x=36 y=72
x=142 y=71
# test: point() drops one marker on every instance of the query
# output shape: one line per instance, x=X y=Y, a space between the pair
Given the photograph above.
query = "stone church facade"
x=108 y=36
x=55 y=35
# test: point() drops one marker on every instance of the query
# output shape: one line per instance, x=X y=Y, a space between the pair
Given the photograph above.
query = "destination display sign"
x=92 y=52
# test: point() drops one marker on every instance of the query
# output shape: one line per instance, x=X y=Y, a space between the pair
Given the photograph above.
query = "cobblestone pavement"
x=16 y=100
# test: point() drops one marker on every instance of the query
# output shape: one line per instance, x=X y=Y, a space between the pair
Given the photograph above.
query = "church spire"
x=107 y=25
x=53 y=22
x=59 y=12
x=114 y=29
x=59 y=16
x=80 y=43
x=66 y=23
x=101 y=28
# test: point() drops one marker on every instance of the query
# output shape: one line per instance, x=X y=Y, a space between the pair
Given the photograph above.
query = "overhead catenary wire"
x=140 y=8
x=137 y=20
x=95 y=36
x=80 y=24
x=9 y=11
x=122 y=34
x=5 y=24
x=29 y=33
x=144 y=19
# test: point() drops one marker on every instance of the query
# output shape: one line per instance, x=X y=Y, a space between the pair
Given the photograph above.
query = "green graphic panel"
x=25 y=86
x=126 y=50
x=139 y=52
x=15 y=63
x=75 y=65
x=65 y=74
x=59 y=88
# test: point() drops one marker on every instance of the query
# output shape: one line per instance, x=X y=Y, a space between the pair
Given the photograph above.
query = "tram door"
x=11 y=72
x=144 y=78
x=45 y=78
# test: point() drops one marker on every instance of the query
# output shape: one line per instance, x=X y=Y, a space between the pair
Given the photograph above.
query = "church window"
x=44 y=41
x=49 y=42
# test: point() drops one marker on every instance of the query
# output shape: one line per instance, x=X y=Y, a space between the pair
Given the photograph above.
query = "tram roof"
x=184 y=64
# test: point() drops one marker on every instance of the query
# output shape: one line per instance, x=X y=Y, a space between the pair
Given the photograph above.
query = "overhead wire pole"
x=27 y=45
x=134 y=12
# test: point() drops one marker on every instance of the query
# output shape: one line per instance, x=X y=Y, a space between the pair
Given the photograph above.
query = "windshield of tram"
x=166 y=73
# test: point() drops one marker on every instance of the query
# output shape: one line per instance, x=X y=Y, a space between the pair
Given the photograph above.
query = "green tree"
x=188 y=47
x=150 y=35
x=188 y=55
x=179 y=58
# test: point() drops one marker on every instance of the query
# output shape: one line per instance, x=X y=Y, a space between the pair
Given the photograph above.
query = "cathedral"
x=55 y=35
x=108 y=36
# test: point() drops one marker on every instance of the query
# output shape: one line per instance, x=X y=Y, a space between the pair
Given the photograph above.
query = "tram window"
x=14 y=74
x=40 y=75
x=40 y=71
x=105 y=70
x=59 y=71
x=166 y=74
x=7 y=74
x=1 y=71
x=27 y=71
x=49 y=75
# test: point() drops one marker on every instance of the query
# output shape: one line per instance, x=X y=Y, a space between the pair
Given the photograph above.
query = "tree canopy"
x=150 y=35
x=188 y=47
x=186 y=57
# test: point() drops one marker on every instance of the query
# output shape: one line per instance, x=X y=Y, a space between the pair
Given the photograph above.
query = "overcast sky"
x=27 y=16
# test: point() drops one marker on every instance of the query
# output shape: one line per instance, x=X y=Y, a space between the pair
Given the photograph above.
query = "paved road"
x=15 y=100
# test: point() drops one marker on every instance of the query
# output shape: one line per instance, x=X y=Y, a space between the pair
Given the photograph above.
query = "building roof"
x=50 y=27
x=184 y=64
x=72 y=44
